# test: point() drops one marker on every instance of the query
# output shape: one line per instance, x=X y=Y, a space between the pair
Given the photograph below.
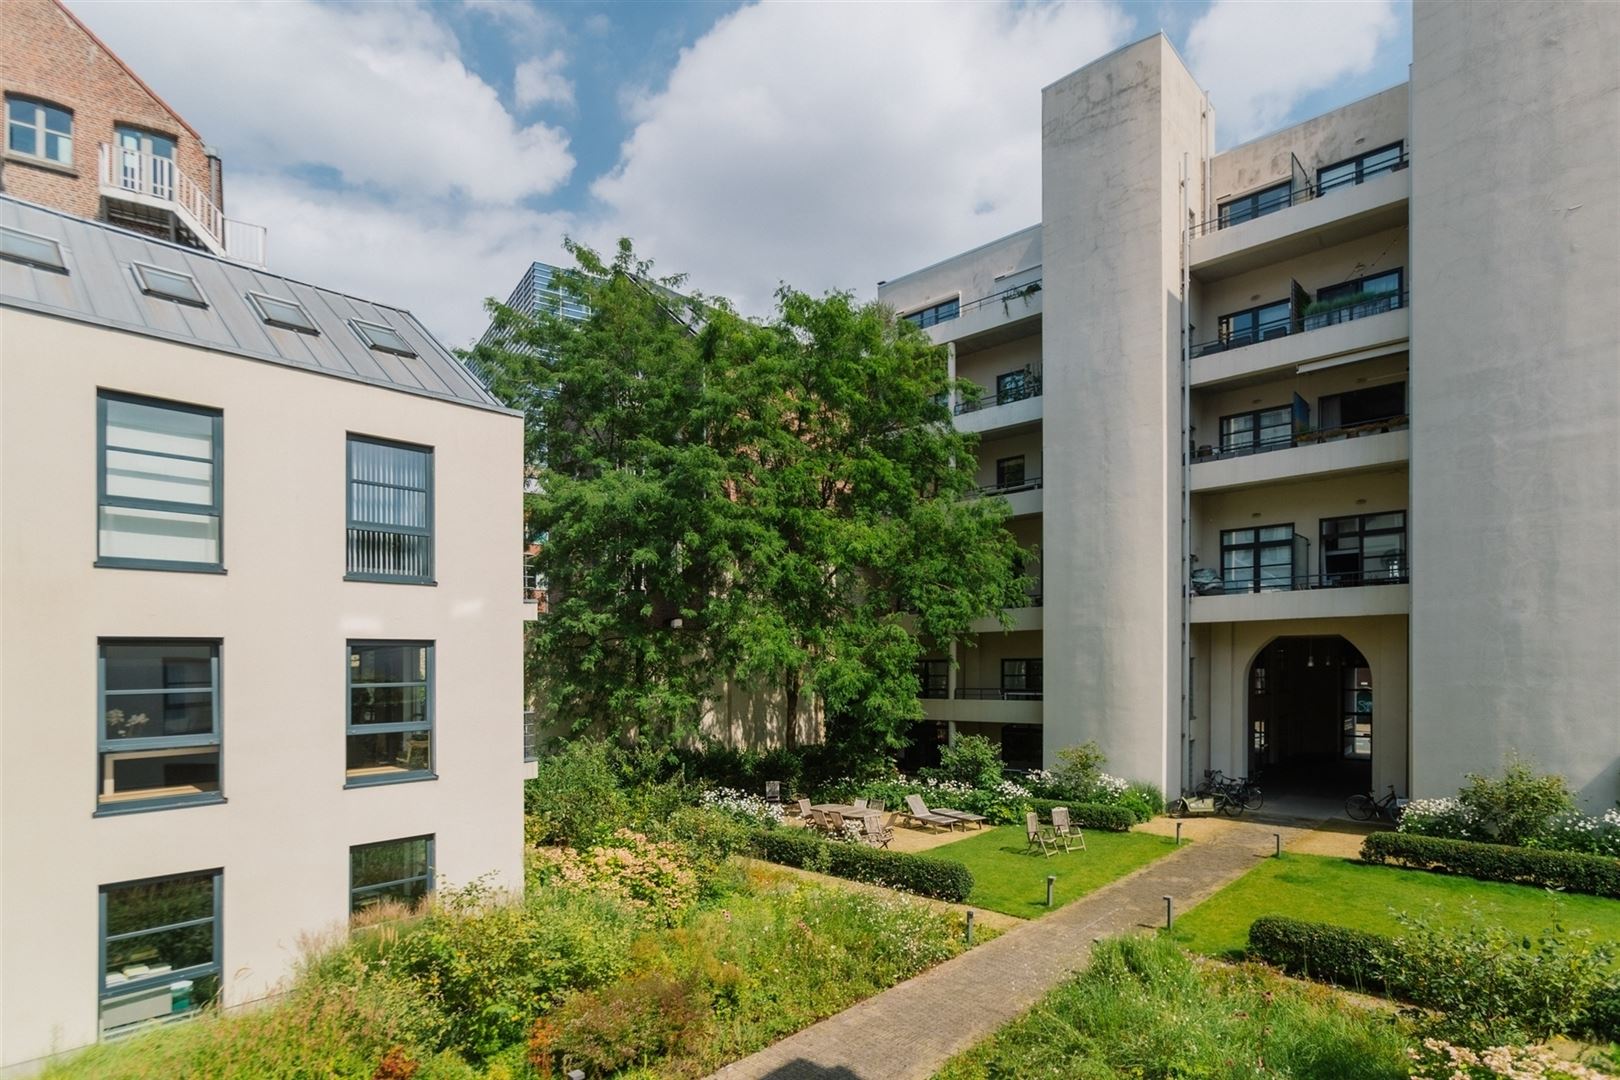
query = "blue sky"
x=424 y=153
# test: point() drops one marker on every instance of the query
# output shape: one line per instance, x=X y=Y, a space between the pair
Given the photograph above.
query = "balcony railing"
x=996 y=693
x=158 y=178
x=1301 y=193
x=1301 y=321
x=1303 y=438
x=1029 y=483
x=1005 y=297
x=1030 y=387
x=1397 y=571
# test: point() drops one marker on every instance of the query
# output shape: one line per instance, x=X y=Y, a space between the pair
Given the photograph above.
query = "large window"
x=39 y=130
x=159 y=724
x=1251 y=432
x=398 y=871
x=1015 y=386
x=1257 y=560
x=390 y=720
x=1021 y=678
x=943 y=311
x=1010 y=472
x=1358 y=169
x=160 y=949
x=1256 y=324
x=160 y=487
x=1364 y=549
x=390 y=511
x=933 y=678
x=1255 y=204
x=145 y=161
x=1357 y=726
x=1367 y=405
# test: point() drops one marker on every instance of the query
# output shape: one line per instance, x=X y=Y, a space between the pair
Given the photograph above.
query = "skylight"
x=169 y=285
x=288 y=314
x=382 y=338
x=31 y=250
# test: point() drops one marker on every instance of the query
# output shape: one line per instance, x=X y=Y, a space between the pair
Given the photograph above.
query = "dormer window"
x=40 y=252
x=169 y=285
x=382 y=338
x=287 y=314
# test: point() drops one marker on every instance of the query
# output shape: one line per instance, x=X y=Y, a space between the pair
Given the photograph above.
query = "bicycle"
x=1364 y=807
x=1238 y=790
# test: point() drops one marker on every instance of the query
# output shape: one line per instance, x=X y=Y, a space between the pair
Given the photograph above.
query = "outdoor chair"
x=859 y=804
x=877 y=805
x=874 y=831
x=773 y=791
x=804 y=809
x=1068 y=835
x=1039 y=838
x=976 y=820
x=813 y=819
x=918 y=812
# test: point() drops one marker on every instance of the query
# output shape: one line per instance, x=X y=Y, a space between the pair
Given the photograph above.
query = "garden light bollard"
x=1051 y=880
x=1169 y=914
x=1278 y=837
x=1178 y=834
x=970 y=927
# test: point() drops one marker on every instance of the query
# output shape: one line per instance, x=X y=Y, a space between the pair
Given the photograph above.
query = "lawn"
x=1346 y=893
x=1008 y=879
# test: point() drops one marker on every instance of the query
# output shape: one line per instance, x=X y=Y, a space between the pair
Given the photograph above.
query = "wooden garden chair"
x=1067 y=834
x=1039 y=839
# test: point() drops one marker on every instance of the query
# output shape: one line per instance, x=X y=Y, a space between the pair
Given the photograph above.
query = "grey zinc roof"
x=100 y=288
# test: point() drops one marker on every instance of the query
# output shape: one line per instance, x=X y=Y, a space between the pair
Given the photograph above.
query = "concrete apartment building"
x=1318 y=455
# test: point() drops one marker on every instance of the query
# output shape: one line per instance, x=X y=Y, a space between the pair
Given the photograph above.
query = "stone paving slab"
x=908 y=1031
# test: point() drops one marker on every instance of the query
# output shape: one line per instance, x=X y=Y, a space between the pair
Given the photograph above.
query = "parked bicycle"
x=1239 y=789
x=1365 y=807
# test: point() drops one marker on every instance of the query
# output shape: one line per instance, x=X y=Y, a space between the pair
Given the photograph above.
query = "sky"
x=423 y=154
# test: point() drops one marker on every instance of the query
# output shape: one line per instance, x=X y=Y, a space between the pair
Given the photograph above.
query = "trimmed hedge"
x=1320 y=951
x=1598 y=875
x=937 y=878
x=1103 y=817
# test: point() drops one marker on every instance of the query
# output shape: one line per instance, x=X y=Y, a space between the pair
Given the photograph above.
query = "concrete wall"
x=283 y=614
x=980 y=272
x=1113 y=139
x=1516 y=390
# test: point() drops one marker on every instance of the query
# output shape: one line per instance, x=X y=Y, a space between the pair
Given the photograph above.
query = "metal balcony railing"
x=1029 y=483
x=1396 y=571
x=159 y=179
x=1303 y=438
x=1302 y=193
x=1305 y=320
x=996 y=693
x=1028 y=388
x=1005 y=296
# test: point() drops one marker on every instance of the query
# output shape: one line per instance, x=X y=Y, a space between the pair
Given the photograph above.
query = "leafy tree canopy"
x=780 y=504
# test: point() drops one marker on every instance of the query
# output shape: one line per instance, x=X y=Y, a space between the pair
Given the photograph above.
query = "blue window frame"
x=158 y=731
x=389 y=712
x=161 y=947
x=390 y=511
x=943 y=311
x=400 y=871
x=160 y=487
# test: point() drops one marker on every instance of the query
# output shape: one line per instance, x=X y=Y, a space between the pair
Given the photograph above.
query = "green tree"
x=783 y=504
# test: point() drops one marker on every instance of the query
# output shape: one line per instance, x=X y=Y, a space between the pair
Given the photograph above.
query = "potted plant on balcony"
x=1025 y=293
x=1320 y=313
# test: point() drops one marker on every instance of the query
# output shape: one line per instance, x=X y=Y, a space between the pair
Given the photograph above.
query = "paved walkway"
x=908 y=1031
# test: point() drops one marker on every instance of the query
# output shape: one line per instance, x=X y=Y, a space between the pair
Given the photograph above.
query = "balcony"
x=1001 y=410
x=149 y=187
x=536 y=596
x=1003 y=316
x=1356 y=331
x=531 y=745
x=1381 y=591
x=1023 y=498
x=1309 y=454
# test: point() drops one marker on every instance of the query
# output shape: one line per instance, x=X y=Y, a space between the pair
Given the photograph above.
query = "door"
x=146 y=162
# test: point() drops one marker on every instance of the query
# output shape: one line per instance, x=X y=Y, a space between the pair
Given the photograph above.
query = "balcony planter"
x=1025 y=293
x=1322 y=313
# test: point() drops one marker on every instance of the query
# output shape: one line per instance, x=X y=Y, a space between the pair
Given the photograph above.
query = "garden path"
x=910 y=1030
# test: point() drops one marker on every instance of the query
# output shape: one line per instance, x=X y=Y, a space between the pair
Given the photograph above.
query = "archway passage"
x=1311 y=717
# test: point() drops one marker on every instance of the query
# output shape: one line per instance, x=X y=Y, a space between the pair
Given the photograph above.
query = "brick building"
x=85 y=135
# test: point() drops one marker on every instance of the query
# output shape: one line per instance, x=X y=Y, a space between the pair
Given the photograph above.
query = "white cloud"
x=1260 y=60
x=377 y=92
x=834 y=151
x=540 y=81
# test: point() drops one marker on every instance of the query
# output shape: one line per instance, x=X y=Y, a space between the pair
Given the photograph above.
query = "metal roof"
x=100 y=288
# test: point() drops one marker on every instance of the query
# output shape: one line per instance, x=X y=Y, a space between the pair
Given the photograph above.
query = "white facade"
x=1401 y=345
x=281 y=611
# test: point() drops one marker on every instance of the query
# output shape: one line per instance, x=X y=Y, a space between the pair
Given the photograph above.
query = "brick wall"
x=45 y=54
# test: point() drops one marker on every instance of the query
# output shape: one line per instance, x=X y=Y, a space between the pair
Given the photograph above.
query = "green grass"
x=1345 y=893
x=1144 y=1009
x=1008 y=879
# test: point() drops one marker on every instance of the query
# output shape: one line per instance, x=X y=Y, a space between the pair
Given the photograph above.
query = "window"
x=1015 y=386
x=1364 y=549
x=1370 y=294
x=39 y=130
x=943 y=311
x=160 y=949
x=1256 y=204
x=1256 y=324
x=1358 y=712
x=287 y=314
x=145 y=161
x=160 y=490
x=1021 y=678
x=40 y=252
x=390 y=719
x=1365 y=406
x=382 y=338
x=1359 y=169
x=1252 y=432
x=390 y=511
x=169 y=285
x=933 y=678
x=1257 y=560
x=1010 y=472
x=158 y=731
x=400 y=871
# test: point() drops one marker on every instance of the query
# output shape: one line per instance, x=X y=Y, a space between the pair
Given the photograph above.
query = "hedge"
x=1598 y=875
x=1333 y=954
x=920 y=874
x=1104 y=817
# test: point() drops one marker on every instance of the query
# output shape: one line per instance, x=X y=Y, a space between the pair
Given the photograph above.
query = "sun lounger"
x=919 y=813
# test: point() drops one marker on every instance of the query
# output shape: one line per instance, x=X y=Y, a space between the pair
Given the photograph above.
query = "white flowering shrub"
x=749 y=809
x=1450 y=818
x=1577 y=832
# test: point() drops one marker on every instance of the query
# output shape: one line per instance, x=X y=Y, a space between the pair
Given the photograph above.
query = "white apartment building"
x=260 y=649
x=1317 y=453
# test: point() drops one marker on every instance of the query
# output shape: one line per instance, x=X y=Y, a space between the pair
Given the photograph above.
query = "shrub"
x=748 y=809
x=575 y=797
x=1147 y=794
x=1103 y=818
x=920 y=874
x=1326 y=953
x=1517 y=805
x=655 y=879
x=1597 y=875
x=642 y=1018
x=972 y=760
x=1446 y=818
x=1078 y=766
x=1436 y=1059
x=1575 y=831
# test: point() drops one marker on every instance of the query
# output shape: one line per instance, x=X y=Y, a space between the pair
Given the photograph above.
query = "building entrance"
x=1311 y=717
